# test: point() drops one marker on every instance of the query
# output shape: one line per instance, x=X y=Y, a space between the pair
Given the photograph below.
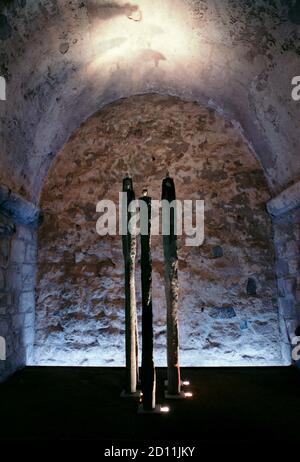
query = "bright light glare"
x=159 y=38
x=186 y=383
x=188 y=395
x=165 y=409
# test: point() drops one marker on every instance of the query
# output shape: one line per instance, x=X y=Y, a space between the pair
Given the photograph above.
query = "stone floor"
x=232 y=404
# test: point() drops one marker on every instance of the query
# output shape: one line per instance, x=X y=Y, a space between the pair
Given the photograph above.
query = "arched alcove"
x=228 y=294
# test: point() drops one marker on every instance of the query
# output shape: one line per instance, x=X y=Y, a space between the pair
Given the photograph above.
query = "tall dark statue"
x=129 y=252
x=148 y=370
x=171 y=286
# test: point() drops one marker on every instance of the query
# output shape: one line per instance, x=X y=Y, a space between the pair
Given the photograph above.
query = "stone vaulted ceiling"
x=64 y=60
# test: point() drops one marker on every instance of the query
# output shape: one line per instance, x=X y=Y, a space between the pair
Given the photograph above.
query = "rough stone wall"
x=228 y=296
x=63 y=60
x=18 y=245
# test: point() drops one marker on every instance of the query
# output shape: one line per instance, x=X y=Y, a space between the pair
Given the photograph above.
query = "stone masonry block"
x=27 y=302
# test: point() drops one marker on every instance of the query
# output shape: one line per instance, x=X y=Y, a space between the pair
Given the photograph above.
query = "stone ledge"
x=19 y=209
x=287 y=201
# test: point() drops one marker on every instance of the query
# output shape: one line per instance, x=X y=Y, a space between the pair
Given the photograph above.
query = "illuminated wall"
x=228 y=295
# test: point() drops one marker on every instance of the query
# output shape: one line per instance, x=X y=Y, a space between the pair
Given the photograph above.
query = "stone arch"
x=65 y=61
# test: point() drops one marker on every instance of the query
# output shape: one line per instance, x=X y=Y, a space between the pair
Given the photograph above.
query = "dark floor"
x=231 y=404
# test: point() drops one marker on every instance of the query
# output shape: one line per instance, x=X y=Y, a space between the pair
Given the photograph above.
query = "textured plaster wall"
x=228 y=294
x=63 y=60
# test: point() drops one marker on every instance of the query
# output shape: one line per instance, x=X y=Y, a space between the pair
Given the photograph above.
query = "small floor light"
x=165 y=409
x=186 y=383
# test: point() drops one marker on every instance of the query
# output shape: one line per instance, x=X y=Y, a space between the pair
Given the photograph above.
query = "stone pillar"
x=19 y=209
x=129 y=252
x=285 y=212
x=8 y=359
x=172 y=290
x=18 y=248
x=148 y=370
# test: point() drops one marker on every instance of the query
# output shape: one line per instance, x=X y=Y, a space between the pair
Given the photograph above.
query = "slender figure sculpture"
x=148 y=371
x=129 y=252
x=171 y=285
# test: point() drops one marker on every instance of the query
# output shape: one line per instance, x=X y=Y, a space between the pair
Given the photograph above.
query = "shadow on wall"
x=113 y=9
